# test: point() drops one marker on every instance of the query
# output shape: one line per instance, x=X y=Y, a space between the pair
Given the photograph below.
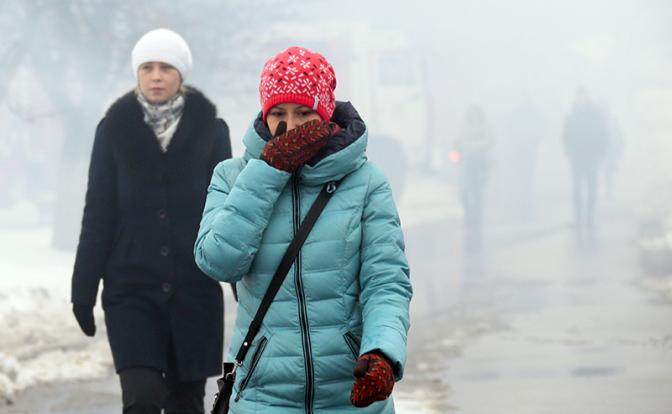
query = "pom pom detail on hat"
x=298 y=75
x=162 y=45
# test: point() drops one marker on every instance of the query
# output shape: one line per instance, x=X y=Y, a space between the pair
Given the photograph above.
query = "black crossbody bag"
x=225 y=383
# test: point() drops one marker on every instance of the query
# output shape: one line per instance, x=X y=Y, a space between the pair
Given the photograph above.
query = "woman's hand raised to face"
x=289 y=150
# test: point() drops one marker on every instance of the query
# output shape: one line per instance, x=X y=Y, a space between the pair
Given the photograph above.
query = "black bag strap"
x=283 y=268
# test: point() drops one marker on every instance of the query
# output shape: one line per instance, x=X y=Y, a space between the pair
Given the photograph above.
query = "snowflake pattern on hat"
x=301 y=76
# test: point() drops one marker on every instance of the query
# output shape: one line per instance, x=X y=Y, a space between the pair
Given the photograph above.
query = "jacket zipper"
x=353 y=343
x=303 y=312
x=253 y=366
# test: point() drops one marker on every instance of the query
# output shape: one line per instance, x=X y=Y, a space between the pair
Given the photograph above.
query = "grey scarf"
x=162 y=117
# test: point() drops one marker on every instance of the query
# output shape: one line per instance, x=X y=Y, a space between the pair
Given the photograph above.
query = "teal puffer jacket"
x=348 y=293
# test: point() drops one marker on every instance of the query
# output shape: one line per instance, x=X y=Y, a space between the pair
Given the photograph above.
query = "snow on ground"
x=40 y=341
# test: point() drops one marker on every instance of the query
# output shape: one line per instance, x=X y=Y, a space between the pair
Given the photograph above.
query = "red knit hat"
x=298 y=75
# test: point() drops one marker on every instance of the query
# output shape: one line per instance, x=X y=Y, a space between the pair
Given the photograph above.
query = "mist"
x=542 y=274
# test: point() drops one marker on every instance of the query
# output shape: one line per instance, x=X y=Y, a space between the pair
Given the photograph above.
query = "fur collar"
x=134 y=140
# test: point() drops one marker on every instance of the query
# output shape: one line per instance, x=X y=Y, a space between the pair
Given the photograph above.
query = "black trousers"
x=148 y=390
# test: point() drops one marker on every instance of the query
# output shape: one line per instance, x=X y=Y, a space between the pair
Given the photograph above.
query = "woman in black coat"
x=152 y=159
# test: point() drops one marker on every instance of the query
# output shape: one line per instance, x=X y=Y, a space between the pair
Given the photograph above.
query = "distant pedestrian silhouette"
x=586 y=139
x=474 y=145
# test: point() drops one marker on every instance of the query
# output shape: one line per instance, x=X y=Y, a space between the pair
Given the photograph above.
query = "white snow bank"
x=40 y=341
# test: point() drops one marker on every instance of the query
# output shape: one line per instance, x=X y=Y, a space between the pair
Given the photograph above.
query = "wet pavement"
x=542 y=321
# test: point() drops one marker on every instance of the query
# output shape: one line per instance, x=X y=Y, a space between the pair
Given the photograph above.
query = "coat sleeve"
x=384 y=277
x=98 y=223
x=222 y=148
x=235 y=216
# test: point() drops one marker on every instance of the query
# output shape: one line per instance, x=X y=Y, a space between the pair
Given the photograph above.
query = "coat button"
x=165 y=251
x=167 y=287
x=163 y=214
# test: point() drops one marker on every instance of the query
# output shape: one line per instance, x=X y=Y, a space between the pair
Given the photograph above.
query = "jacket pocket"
x=256 y=357
x=353 y=343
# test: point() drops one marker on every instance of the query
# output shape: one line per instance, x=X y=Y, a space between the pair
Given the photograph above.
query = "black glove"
x=280 y=129
x=84 y=316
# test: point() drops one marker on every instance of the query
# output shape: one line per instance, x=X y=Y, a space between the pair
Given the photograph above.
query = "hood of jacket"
x=344 y=153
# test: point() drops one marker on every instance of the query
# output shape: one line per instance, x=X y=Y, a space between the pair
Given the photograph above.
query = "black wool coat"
x=141 y=217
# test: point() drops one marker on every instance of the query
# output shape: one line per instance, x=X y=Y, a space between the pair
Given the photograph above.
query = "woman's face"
x=158 y=81
x=293 y=114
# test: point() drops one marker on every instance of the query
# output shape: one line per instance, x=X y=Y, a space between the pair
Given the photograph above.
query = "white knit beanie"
x=162 y=45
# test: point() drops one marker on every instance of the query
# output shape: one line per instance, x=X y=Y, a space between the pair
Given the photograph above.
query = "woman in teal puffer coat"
x=334 y=338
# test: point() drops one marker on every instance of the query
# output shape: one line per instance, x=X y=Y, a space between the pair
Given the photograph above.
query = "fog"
x=502 y=242
x=63 y=71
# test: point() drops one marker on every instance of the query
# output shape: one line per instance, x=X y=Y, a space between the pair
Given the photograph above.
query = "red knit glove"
x=374 y=379
x=295 y=147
